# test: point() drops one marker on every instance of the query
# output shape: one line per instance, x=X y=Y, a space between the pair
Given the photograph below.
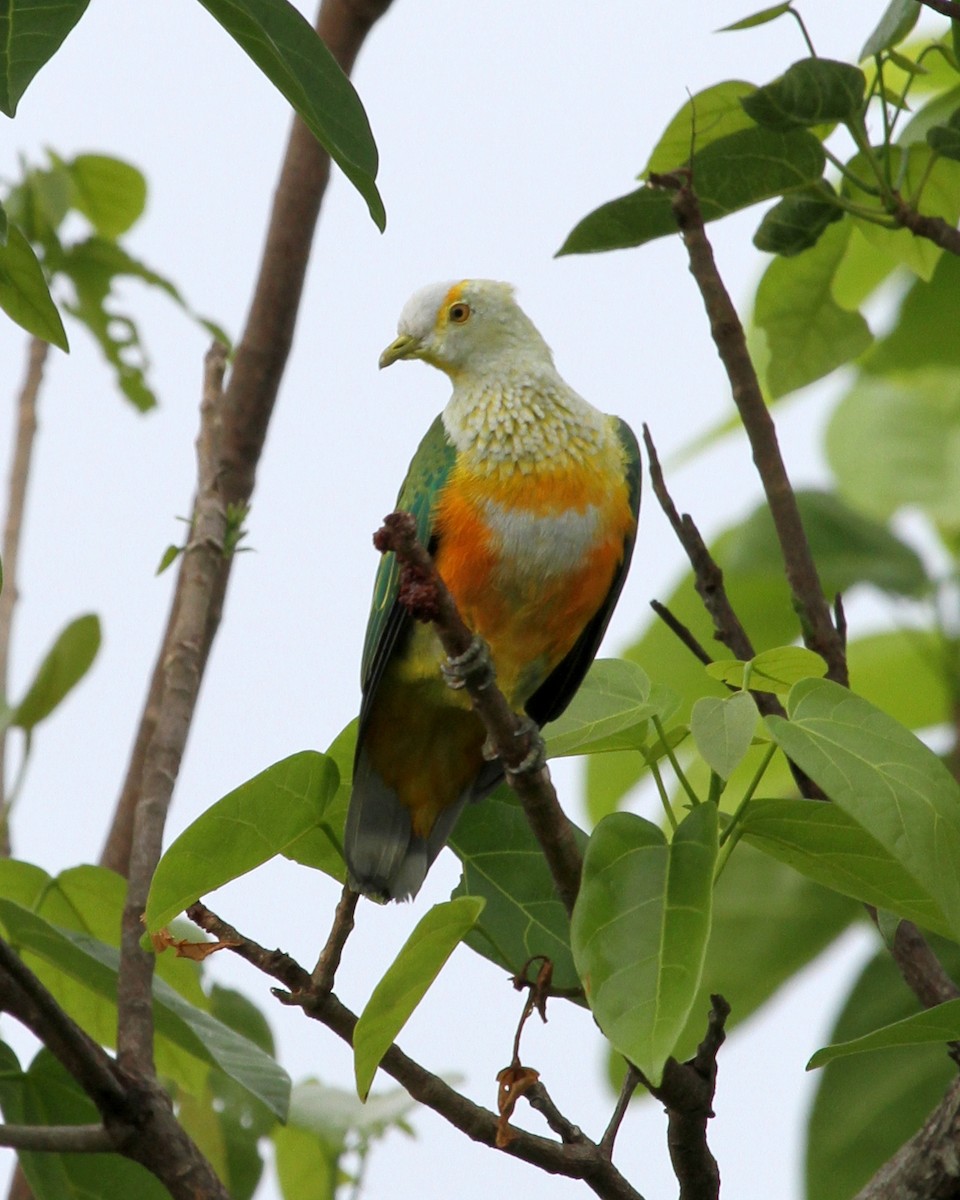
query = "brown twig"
x=680 y=630
x=182 y=673
x=631 y=1081
x=61 y=1139
x=427 y=593
x=258 y=366
x=324 y=973
x=580 y=1159
x=935 y=229
x=16 y=503
x=819 y=633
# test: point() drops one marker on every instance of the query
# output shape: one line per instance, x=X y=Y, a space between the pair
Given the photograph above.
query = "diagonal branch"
x=515 y=743
x=819 y=632
x=578 y=1159
x=182 y=672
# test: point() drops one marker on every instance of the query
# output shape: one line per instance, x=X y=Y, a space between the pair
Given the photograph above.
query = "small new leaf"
x=774 y=670
x=814 y=91
x=24 y=295
x=945 y=139
x=898 y=19
x=66 y=663
x=757 y=18
x=170 y=555
x=797 y=222
x=723 y=730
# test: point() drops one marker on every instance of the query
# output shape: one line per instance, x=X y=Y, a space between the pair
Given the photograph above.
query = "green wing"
x=559 y=688
x=386 y=629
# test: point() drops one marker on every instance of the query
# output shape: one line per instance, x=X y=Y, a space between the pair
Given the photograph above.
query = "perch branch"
x=927 y=1166
x=429 y=599
x=13 y=526
x=935 y=229
x=801 y=571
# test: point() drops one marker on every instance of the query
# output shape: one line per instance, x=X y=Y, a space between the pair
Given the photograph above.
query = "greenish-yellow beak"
x=405 y=346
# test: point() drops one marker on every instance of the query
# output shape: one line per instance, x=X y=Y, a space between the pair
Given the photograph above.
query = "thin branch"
x=26 y=429
x=324 y=973
x=801 y=571
x=927 y=1166
x=631 y=1082
x=935 y=229
x=427 y=598
x=539 y=1098
x=922 y=971
x=257 y=369
x=581 y=1159
x=61 y=1139
x=182 y=674
x=678 y=628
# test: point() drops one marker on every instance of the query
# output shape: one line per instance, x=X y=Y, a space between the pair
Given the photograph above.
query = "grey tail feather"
x=386 y=860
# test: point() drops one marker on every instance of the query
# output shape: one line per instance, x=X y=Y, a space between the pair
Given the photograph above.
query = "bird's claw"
x=473 y=666
x=535 y=759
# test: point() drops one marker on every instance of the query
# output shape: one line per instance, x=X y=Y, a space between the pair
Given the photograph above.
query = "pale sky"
x=499 y=126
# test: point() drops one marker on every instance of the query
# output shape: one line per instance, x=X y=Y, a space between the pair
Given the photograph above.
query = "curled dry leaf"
x=197 y=951
x=514 y=1081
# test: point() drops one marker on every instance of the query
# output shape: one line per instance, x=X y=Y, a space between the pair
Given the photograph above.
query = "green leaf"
x=814 y=91
x=909 y=673
x=406 y=982
x=920 y=336
x=917 y=170
x=938 y=1024
x=307 y=1166
x=24 y=295
x=93 y=266
x=3 y=226
x=332 y=1113
x=883 y=777
x=503 y=863
x=66 y=663
x=170 y=556
x=775 y=670
x=899 y=17
x=723 y=730
x=889 y=443
x=706 y=117
x=31 y=32
x=808 y=333
x=848 y=548
x=757 y=18
x=822 y=842
x=321 y=846
x=865 y=1108
x=945 y=139
x=859 y=272
x=110 y=193
x=286 y=48
x=94 y=966
x=247 y=827
x=45 y=1094
x=731 y=173
x=609 y=712
x=768 y=923
x=640 y=929
x=797 y=221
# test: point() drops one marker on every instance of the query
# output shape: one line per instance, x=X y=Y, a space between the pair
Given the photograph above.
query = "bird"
x=527 y=497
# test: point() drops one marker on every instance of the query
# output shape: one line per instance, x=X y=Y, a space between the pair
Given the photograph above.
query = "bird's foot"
x=535 y=759
x=473 y=666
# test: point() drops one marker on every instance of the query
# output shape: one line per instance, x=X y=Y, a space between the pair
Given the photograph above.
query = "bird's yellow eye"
x=459 y=312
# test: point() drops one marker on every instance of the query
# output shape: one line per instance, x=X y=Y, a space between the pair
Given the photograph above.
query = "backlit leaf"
x=66 y=663
x=24 y=295
x=31 y=32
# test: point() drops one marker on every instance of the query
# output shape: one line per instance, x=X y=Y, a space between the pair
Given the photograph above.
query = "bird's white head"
x=466 y=327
